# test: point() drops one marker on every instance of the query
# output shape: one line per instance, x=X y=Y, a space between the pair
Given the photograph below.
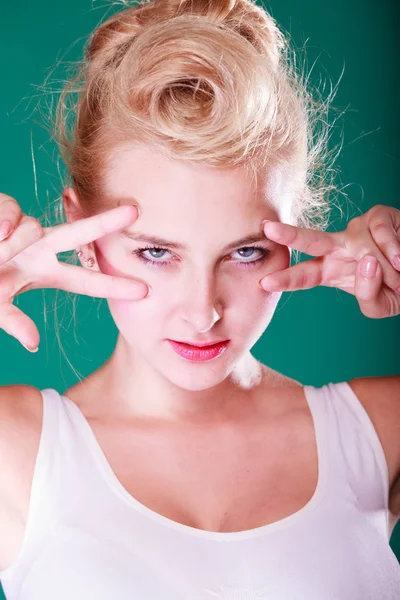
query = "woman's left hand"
x=344 y=258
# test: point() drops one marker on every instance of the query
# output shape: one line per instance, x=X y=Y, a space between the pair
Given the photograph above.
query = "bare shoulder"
x=21 y=417
x=21 y=410
x=20 y=406
x=380 y=397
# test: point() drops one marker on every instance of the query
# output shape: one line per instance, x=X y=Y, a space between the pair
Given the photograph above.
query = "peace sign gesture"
x=363 y=260
x=28 y=260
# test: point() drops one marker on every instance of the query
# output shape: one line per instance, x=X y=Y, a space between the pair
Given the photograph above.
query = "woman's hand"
x=346 y=260
x=28 y=260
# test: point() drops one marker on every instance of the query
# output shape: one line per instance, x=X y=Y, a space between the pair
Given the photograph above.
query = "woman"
x=173 y=471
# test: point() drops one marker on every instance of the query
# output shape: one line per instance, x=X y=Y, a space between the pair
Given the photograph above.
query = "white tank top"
x=87 y=538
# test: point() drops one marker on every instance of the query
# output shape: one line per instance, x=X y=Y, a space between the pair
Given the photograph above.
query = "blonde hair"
x=201 y=81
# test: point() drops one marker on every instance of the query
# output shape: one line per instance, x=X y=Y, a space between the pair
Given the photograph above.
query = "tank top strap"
x=45 y=473
x=357 y=463
x=46 y=476
x=55 y=467
x=42 y=511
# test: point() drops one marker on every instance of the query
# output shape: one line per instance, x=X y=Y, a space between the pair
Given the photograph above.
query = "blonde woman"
x=184 y=468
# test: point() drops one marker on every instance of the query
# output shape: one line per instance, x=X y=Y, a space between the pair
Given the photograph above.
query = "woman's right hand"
x=28 y=260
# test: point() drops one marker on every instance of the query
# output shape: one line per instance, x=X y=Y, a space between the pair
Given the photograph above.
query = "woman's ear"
x=71 y=205
x=73 y=212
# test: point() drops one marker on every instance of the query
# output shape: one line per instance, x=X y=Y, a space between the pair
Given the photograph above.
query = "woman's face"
x=207 y=288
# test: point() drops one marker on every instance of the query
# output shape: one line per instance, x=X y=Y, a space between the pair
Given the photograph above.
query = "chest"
x=221 y=480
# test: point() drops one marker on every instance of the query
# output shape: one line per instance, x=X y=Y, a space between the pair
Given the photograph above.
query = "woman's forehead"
x=149 y=180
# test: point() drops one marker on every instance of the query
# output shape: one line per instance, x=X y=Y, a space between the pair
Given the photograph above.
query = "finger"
x=19 y=325
x=302 y=276
x=309 y=241
x=361 y=243
x=78 y=280
x=11 y=215
x=384 y=233
x=26 y=234
x=69 y=236
x=375 y=299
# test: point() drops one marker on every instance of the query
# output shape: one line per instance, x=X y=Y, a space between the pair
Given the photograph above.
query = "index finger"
x=78 y=280
x=69 y=236
x=309 y=241
x=302 y=276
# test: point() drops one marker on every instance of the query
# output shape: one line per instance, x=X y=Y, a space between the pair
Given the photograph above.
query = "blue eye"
x=139 y=252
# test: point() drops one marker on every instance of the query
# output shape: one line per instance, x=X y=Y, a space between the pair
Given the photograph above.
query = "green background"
x=316 y=336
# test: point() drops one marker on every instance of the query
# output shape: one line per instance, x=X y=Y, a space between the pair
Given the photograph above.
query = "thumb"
x=374 y=302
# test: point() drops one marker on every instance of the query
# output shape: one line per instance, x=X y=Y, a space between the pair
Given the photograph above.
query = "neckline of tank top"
x=320 y=431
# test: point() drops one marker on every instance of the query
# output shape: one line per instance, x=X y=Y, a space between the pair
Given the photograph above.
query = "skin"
x=203 y=293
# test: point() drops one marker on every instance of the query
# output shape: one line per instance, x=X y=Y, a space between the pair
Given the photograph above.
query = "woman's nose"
x=201 y=307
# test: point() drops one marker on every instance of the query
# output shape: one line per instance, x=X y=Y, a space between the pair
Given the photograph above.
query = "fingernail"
x=148 y=291
x=368 y=266
x=5 y=228
x=396 y=261
x=34 y=349
x=268 y=284
x=263 y=223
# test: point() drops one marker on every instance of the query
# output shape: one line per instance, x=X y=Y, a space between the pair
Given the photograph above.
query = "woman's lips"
x=196 y=353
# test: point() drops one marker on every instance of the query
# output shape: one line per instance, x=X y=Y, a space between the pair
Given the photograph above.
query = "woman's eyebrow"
x=157 y=241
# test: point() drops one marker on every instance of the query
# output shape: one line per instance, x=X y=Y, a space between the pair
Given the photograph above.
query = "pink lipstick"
x=196 y=353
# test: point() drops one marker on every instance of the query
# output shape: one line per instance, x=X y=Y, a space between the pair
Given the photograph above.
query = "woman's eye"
x=251 y=249
x=155 y=255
